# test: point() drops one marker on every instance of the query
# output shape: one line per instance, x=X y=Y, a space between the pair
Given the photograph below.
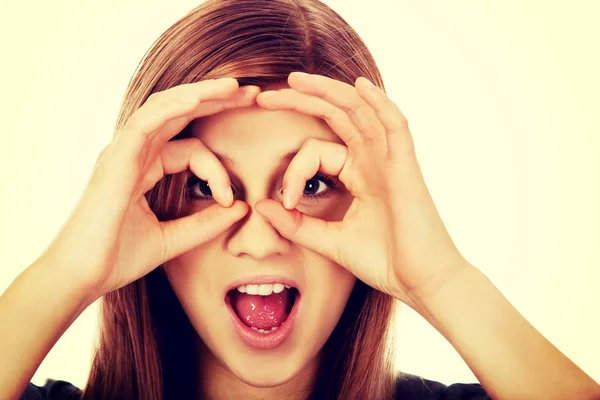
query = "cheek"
x=181 y=278
x=332 y=288
x=190 y=279
x=341 y=284
x=179 y=270
x=333 y=209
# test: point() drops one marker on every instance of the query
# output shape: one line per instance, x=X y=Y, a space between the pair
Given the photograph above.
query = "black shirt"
x=409 y=387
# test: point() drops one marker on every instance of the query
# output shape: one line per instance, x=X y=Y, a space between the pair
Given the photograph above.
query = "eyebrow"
x=228 y=162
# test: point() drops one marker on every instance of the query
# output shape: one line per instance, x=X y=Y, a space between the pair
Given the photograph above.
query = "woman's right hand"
x=112 y=237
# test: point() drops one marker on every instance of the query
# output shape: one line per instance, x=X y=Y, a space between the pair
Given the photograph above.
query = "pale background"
x=502 y=99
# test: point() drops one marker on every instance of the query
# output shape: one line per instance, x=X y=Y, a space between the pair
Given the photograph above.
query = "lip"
x=265 y=341
x=261 y=279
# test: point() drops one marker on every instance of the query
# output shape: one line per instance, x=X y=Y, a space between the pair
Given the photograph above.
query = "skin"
x=391 y=237
x=394 y=240
x=253 y=140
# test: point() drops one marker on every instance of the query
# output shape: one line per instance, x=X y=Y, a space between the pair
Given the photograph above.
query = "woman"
x=286 y=213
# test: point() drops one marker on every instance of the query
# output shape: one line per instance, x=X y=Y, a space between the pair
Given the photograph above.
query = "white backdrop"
x=502 y=99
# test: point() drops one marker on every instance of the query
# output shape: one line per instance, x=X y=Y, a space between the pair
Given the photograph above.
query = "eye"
x=313 y=186
x=317 y=186
x=199 y=188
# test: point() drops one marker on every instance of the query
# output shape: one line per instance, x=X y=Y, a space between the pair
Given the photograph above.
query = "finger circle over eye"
x=315 y=155
x=179 y=155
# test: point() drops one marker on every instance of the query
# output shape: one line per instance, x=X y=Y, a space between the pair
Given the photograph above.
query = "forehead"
x=252 y=133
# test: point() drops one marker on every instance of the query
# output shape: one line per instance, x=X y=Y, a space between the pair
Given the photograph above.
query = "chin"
x=264 y=375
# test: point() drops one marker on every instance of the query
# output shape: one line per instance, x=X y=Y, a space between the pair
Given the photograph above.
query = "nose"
x=255 y=237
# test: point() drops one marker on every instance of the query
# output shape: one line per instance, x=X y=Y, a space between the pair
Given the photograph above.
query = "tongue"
x=262 y=312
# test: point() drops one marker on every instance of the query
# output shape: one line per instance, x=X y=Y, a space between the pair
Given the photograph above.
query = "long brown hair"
x=147 y=346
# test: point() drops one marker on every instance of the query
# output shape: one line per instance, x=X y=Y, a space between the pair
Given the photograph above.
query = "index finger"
x=166 y=113
x=179 y=155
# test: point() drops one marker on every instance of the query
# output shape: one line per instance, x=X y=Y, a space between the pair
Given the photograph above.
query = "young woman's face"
x=253 y=141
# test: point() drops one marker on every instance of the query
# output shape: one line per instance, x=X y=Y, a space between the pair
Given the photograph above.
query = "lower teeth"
x=264 y=331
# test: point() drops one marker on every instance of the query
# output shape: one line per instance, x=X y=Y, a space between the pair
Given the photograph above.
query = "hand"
x=113 y=238
x=392 y=237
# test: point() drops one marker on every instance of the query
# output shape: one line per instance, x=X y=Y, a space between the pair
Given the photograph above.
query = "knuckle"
x=310 y=144
x=139 y=123
x=298 y=222
x=355 y=108
x=195 y=143
x=391 y=106
x=104 y=152
x=399 y=123
x=369 y=140
x=190 y=100
x=135 y=119
x=394 y=110
x=153 y=98
x=330 y=113
x=133 y=123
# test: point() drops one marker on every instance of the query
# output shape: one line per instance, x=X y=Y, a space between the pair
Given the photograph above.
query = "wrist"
x=452 y=278
x=77 y=290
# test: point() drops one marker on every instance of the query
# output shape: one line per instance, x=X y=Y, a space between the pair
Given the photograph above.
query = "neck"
x=217 y=382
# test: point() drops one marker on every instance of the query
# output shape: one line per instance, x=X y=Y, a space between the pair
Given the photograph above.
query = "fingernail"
x=245 y=91
x=287 y=201
x=249 y=89
x=268 y=93
x=229 y=195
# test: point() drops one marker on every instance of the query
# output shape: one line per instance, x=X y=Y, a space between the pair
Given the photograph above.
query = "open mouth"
x=263 y=314
x=263 y=308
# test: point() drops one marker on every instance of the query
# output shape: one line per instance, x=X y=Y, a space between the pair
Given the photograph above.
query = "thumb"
x=313 y=233
x=183 y=234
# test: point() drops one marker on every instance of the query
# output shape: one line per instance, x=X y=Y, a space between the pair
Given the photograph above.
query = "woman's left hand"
x=392 y=237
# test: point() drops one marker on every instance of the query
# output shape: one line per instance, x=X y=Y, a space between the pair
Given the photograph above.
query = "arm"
x=511 y=359
x=98 y=248
x=35 y=311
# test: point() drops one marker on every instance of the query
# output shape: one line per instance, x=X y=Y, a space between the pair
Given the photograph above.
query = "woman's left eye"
x=317 y=186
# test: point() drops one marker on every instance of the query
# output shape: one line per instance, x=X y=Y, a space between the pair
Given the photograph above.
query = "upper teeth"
x=263 y=289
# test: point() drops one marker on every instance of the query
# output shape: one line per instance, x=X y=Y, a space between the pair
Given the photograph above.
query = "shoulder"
x=52 y=390
x=413 y=387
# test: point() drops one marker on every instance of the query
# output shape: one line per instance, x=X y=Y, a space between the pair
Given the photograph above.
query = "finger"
x=190 y=153
x=313 y=233
x=290 y=99
x=244 y=97
x=315 y=155
x=166 y=113
x=133 y=152
x=399 y=138
x=183 y=234
x=193 y=154
x=343 y=96
x=175 y=102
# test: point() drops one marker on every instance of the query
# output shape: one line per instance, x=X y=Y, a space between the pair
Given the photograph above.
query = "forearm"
x=35 y=310
x=511 y=359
